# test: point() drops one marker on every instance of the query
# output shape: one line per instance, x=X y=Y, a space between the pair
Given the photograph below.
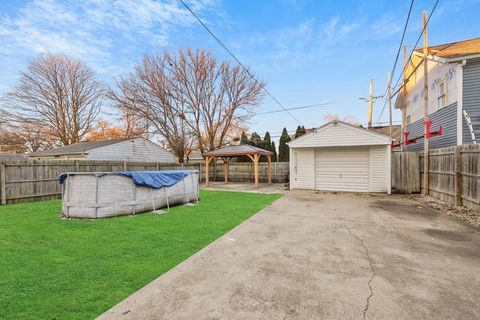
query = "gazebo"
x=227 y=153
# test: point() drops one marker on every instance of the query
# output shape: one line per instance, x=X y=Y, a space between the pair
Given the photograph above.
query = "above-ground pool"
x=93 y=195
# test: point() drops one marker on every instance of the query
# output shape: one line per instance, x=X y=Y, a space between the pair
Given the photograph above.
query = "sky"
x=307 y=51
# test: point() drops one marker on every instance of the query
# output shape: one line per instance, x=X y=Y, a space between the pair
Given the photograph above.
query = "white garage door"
x=345 y=169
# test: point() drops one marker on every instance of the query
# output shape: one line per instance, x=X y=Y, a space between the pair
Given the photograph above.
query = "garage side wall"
x=378 y=168
x=302 y=168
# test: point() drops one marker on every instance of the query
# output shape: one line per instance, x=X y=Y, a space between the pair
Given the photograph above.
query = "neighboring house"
x=339 y=156
x=453 y=94
x=385 y=130
x=194 y=157
x=129 y=149
x=6 y=156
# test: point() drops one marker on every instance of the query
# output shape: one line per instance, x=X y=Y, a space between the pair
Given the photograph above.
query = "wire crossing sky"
x=309 y=52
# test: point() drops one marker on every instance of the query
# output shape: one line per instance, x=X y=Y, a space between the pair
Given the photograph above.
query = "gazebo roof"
x=238 y=150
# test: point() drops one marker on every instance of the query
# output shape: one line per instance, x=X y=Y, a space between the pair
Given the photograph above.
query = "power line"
x=401 y=40
x=398 y=54
x=302 y=107
x=318 y=105
x=416 y=43
x=238 y=61
x=411 y=54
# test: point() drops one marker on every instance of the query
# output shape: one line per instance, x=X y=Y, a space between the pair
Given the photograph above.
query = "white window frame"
x=444 y=95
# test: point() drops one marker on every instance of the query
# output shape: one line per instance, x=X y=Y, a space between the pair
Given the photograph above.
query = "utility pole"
x=370 y=105
x=390 y=101
x=425 y=107
x=404 y=102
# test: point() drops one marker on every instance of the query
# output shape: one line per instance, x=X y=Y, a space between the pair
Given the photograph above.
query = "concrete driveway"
x=325 y=256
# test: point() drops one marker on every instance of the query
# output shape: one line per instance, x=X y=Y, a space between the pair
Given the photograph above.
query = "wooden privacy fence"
x=406 y=172
x=454 y=174
x=23 y=181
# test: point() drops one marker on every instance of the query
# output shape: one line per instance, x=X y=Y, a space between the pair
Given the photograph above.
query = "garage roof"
x=338 y=133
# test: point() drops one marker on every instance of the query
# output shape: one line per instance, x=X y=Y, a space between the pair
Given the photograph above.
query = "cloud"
x=302 y=43
x=334 y=31
x=95 y=31
x=385 y=27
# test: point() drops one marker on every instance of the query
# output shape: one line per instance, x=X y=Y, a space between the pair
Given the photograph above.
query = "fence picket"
x=454 y=174
x=23 y=181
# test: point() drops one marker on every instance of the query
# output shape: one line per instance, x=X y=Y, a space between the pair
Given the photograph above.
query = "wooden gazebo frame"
x=227 y=153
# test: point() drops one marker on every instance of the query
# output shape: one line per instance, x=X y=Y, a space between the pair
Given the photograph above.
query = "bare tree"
x=104 y=130
x=146 y=94
x=189 y=99
x=217 y=97
x=25 y=137
x=58 y=92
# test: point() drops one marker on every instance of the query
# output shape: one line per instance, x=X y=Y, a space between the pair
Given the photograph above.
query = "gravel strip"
x=470 y=216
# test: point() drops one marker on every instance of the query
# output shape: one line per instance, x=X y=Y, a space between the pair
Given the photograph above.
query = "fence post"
x=458 y=176
x=275 y=172
x=200 y=173
x=3 y=189
x=124 y=165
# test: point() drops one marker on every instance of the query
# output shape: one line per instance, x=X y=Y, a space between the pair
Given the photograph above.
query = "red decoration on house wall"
x=431 y=134
x=409 y=141
x=428 y=135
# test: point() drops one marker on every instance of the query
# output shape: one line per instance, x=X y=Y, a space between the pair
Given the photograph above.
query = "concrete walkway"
x=247 y=187
x=324 y=256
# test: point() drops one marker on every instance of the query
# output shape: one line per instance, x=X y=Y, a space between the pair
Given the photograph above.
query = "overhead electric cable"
x=238 y=61
x=398 y=55
x=416 y=43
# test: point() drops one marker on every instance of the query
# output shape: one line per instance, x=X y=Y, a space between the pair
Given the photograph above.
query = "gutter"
x=465 y=58
x=432 y=58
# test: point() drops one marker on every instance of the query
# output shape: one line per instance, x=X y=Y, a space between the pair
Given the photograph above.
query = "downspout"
x=460 y=103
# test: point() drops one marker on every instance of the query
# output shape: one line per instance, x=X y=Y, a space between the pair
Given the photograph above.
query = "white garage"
x=341 y=157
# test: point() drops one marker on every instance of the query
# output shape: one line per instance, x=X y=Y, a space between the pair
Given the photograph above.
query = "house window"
x=409 y=119
x=442 y=94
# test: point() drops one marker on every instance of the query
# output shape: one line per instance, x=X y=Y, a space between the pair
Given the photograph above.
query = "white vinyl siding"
x=334 y=135
x=378 y=168
x=303 y=165
x=345 y=169
x=341 y=157
x=136 y=150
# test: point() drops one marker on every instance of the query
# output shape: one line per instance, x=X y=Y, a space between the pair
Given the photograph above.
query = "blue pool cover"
x=152 y=179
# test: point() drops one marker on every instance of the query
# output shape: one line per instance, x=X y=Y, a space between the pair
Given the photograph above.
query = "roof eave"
x=57 y=154
x=464 y=57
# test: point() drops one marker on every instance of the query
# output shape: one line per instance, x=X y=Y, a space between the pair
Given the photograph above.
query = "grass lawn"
x=60 y=269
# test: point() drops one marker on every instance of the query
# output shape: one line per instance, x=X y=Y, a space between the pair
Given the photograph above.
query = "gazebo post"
x=226 y=153
x=226 y=162
x=269 y=169
x=207 y=170
x=255 y=164
x=254 y=159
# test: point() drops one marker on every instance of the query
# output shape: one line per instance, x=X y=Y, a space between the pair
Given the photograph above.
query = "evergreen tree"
x=244 y=140
x=274 y=150
x=300 y=131
x=267 y=141
x=255 y=139
x=283 y=149
x=265 y=144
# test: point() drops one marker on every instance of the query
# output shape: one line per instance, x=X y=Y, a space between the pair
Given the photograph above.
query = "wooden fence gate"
x=406 y=172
